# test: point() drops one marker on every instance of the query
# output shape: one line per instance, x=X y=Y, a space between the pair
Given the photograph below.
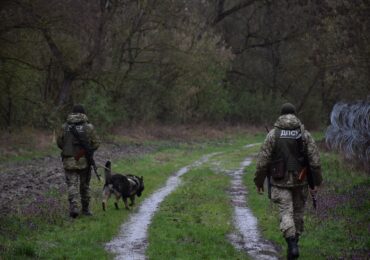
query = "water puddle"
x=131 y=242
x=248 y=237
x=251 y=145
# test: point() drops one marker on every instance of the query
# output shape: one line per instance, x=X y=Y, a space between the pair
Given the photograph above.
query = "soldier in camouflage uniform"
x=288 y=191
x=77 y=170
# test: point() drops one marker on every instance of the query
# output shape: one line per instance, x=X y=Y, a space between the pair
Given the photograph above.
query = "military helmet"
x=287 y=108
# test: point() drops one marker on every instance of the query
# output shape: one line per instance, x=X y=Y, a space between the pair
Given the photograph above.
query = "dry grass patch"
x=25 y=141
x=189 y=132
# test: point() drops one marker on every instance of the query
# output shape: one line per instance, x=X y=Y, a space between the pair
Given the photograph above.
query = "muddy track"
x=247 y=236
x=25 y=182
x=131 y=242
x=21 y=183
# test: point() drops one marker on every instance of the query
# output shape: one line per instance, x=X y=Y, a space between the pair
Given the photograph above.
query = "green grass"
x=194 y=221
x=339 y=229
x=52 y=235
x=59 y=239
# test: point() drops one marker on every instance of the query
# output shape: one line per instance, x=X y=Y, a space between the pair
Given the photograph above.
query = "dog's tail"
x=107 y=172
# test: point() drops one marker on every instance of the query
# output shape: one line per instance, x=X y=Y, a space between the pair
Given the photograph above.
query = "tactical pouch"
x=277 y=169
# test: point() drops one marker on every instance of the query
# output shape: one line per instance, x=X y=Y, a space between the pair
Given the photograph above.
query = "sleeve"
x=264 y=158
x=93 y=137
x=314 y=159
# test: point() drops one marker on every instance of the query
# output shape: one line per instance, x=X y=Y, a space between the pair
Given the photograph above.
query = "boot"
x=73 y=209
x=293 y=251
x=73 y=212
x=86 y=210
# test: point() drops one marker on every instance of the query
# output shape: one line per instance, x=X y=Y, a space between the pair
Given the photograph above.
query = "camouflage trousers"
x=78 y=183
x=291 y=203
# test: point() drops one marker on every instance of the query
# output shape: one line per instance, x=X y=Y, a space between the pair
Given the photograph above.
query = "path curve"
x=131 y=242
x=248 y=237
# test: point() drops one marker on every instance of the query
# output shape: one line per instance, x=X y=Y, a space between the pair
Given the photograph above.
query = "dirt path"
x=131 y=242
x=22 y=183
x=248 y=237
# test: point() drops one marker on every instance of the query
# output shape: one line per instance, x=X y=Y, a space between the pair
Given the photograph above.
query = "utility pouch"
x=277 y=169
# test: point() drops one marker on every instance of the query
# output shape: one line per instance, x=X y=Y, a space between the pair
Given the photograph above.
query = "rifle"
x=306 y=171
x=310 y=179
x=268 y=177
x=85 y=151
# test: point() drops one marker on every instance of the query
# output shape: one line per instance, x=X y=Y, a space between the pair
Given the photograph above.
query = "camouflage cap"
x=287 y=108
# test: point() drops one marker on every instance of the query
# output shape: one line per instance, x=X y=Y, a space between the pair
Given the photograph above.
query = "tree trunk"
x=65 y=91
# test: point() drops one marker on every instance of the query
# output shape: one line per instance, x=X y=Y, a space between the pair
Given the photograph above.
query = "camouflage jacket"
x=69 y=162
x=264 y=159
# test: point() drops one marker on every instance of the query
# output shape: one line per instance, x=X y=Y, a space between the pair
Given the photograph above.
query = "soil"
x=24 y=182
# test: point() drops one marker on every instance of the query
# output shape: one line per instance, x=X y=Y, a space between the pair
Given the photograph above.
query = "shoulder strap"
x=276 y=137
x=75 y=133
x=302 y=142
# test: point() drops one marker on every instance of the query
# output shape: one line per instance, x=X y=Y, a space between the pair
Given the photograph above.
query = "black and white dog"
x=122 y=186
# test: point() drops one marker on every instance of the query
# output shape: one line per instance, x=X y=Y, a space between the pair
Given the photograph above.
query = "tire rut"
x=131 y=242
x=248 y=237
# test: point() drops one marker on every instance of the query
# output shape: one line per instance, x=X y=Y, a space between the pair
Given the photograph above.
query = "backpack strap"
x=276 y=137
x=302 y=144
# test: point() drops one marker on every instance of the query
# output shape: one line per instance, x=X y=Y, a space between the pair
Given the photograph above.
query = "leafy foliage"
x=180 y=61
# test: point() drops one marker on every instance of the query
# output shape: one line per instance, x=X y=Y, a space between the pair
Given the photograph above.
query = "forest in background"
x=180 y=61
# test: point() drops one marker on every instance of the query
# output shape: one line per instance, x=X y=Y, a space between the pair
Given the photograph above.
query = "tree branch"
x=54 y=49
x=308 y=92
x=266 y=43
x=222 y=14
x=22 y=62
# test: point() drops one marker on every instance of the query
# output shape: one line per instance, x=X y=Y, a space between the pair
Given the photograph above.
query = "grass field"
x=50 y=234
x=194 y=221
x=339 y=228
